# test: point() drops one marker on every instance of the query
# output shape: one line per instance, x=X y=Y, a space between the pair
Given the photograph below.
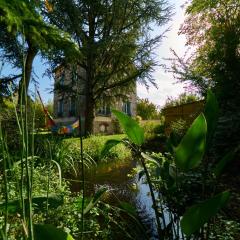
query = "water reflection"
x=114 y=176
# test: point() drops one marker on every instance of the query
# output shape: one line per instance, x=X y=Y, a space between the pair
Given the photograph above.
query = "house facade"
x=68 y=107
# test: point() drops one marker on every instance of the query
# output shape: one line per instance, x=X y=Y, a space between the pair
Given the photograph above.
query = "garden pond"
x=123 y=186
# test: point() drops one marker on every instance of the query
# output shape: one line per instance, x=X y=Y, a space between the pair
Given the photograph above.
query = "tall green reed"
x=4 y=233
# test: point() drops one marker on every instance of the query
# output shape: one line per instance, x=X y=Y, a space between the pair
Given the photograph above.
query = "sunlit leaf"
x=190 y=151
x=134 y=132
x=196 y=216
x=47 y=231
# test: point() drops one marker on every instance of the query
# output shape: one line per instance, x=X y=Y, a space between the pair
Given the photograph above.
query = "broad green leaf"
x=47 y=231
x=134 y=132
x=190 y=151
x=54 y=201
x=211 y=114
x=95 y=199
x=39 y=203
x=196 y=216
x=219 y=168
x=130 y=209
x=108 y=146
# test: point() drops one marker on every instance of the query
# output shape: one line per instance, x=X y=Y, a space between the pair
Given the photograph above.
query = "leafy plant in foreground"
x=188 y=155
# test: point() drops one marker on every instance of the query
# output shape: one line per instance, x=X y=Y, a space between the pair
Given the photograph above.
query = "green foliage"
x=134 y=132
x=181 y=99
x=7 y=110
x=212 y=28
x=26 y=32
x=211 y=112
x=40 y=118
x=179 y=127
x=197 y=215
x=147 y=110
x=152 y=129
x=93 y=146
x=22 y=17
x=128 y=208
x=224 y=162
x=94 y=150
x=118 y=32
x=231 y=229
x=184 y=178
x=190 y=151
x=97 y=196
x=47 y=231
x=35 y=111
x=40 y=203
x=108 y=145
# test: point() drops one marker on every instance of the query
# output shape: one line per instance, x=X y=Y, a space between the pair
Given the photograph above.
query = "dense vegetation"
x=181 y=99
x=147 y=110
x=182 y=180
x=191 y=175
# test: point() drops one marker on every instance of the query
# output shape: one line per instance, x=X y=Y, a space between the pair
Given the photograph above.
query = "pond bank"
x=123 y=186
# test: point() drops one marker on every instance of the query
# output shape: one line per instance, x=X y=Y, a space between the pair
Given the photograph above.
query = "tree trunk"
x=89 y=118
x=27 y=71
x=90 y=74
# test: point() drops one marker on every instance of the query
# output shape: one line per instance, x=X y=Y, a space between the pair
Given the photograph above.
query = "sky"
x=166 y=84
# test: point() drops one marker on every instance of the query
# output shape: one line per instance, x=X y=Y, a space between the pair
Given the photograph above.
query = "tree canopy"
x=147 y=110
x=23 y=34
x=212 y=28
x=114 y=38
x=181 y=99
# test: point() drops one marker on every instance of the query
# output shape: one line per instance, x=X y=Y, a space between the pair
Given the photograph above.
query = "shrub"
x=179 y=127
x=93 y=146
x=138 y=118
x=152 y=129
x=116 y=127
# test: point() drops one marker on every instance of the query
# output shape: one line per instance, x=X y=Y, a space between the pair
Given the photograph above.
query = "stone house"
x=68 y=108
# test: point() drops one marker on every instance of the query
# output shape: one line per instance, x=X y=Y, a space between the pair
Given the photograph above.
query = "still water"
x=122 y=187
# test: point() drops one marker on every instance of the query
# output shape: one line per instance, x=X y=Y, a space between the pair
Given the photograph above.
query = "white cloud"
x=167 y=85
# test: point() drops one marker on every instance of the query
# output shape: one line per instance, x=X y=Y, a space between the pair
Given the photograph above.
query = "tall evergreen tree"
x=115 y=40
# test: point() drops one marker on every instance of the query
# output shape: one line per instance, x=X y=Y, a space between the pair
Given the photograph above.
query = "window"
x=74 y=76
x=62 y=77
x=60 y=108
x=72 y=109
x=104 y=110
x=126 y=108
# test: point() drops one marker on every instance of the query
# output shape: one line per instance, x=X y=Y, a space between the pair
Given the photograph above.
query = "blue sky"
x=167 y=85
